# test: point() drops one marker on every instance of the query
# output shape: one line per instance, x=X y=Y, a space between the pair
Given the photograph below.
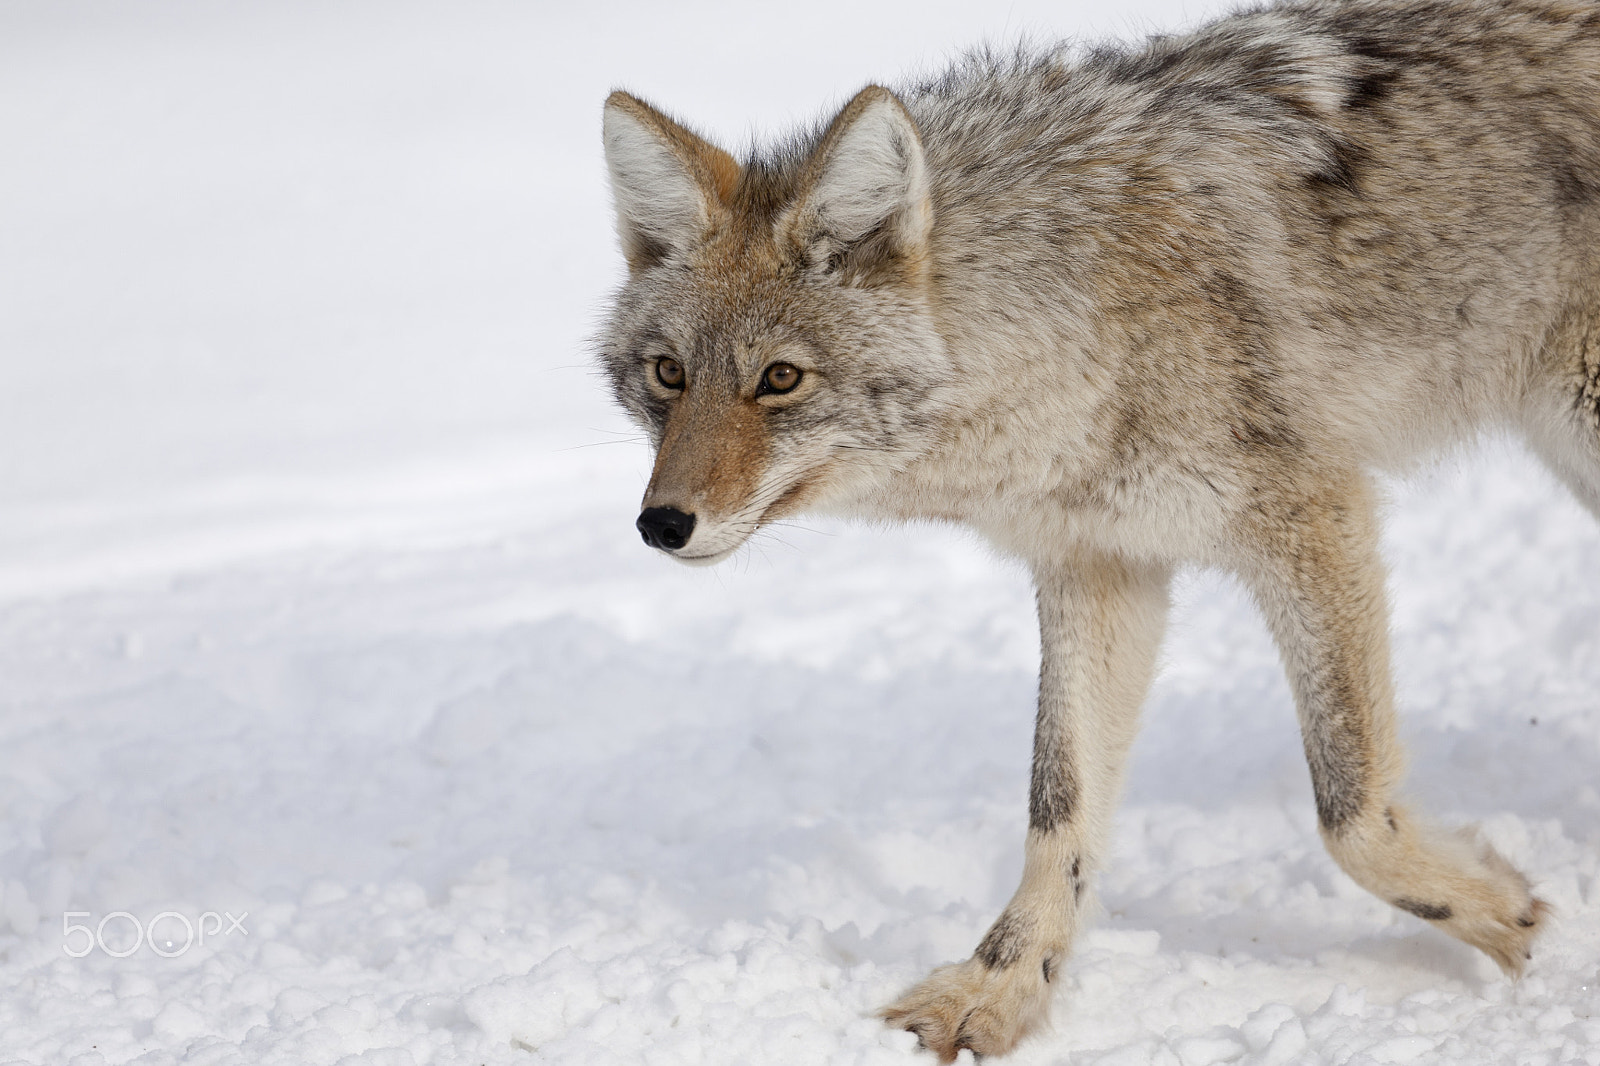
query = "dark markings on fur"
x=1338 y=793
x=962 y=1039
x=1388 y=816
x=1138 y=68
x=1127 y=435
x=1527 y=921
x=1369 y=90
x=874 y=259
x=1341 y=170
x=1335 y=752
x=1574 y=185
x=1053 y=788
x=645 y=251
x=1003 y=944
x=1374 y=49
x=1053 y=793
x=1431 y=912
x=770 y=182
x=1047 y=969
x=1263 y=421
x=1372 y=35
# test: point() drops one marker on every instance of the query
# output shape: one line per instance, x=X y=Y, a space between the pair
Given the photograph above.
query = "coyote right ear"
x=668 y=184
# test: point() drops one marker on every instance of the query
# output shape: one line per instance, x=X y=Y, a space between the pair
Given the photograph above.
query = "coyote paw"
x=1486 y=902
x=1499 y=915
x=969 y=1005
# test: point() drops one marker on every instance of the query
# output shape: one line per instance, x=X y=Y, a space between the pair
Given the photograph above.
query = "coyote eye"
x=779 y=377
x=669 y=372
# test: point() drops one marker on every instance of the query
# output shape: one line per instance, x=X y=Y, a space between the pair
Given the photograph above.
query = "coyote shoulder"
x=1127 y=310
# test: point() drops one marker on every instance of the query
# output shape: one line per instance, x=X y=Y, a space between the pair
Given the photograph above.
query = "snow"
x=324 y=629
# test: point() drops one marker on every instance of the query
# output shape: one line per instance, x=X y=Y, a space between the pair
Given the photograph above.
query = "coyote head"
x=775 y=337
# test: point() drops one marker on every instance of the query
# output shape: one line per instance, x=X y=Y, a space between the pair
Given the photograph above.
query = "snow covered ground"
x=325 y=635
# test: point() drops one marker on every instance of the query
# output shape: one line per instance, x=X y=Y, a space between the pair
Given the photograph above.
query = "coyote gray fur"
x=1121 y=311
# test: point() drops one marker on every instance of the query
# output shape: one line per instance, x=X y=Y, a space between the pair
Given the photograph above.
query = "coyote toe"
x=1505 y=938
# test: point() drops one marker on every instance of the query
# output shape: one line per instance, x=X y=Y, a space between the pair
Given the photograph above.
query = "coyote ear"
x=668 y=184
x=865 y=209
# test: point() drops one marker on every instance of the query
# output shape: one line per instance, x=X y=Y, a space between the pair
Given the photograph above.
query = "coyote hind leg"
x=1314 y=569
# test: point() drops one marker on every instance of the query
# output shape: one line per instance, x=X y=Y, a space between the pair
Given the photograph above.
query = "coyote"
x=1123 y=310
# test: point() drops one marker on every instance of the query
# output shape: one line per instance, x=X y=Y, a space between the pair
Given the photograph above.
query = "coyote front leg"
x=1315 y=571
x=1100 y=623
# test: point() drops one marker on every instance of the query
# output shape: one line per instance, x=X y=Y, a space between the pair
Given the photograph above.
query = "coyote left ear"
x=865 y=209
x=669 y=184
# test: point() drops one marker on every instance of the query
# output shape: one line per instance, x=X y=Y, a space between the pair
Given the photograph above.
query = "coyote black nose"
x=665 y=527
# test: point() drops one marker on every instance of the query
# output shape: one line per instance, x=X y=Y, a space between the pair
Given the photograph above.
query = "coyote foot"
x=968 y=1005
x=1495 y=912
x=1455 y=881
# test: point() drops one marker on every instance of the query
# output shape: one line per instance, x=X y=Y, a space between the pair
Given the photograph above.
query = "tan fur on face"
x=711 y=458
